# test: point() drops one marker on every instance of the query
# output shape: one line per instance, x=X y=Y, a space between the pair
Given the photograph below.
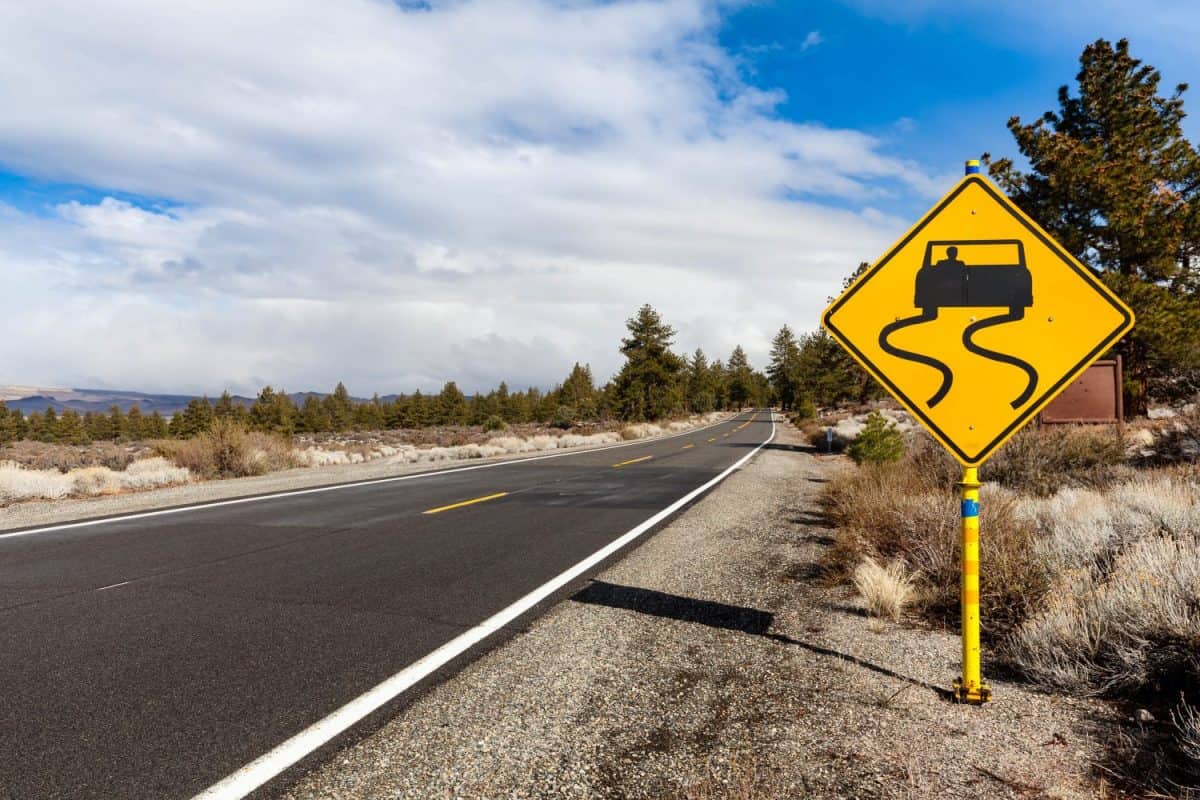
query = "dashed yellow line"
x=632 y=461
x=713 y=439
x=747 y=422
x=483 y=499
x=688 y=446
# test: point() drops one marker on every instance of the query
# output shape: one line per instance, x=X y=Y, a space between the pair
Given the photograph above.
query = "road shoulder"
x=712 y=662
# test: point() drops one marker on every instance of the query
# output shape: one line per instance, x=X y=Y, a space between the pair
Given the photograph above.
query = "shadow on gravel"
x=727 y=617
x=787 y=448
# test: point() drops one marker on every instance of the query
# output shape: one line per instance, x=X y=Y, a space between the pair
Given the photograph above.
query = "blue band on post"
x=970 y=508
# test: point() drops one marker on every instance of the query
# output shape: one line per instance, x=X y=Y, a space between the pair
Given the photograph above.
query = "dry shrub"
x=905 y=511
x=229 y=451
x=886 y=590
x=1041 y=461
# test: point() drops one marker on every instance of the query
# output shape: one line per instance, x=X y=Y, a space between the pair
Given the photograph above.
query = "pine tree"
x=135 y=427
x=741 y=378
x=451 y=405
x=578 y=393
x=648 y=385
x=701 y=391
x=1113 y=178
x=10 y=427
x=313 y=417
x=784 y=369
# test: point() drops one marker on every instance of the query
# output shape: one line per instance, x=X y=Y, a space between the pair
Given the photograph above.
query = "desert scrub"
x=228 y=451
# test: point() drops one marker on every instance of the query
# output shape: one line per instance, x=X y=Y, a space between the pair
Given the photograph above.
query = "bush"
x=228 y=451
x=879 y=443
x=495 y=423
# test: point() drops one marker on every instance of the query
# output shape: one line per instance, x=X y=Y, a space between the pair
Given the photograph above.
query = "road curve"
x=154 y=656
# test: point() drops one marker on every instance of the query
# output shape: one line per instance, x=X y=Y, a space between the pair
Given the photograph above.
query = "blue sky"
x=938 y=81
x=200 y=197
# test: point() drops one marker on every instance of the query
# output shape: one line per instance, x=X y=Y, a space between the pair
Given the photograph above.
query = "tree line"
x=654 y=383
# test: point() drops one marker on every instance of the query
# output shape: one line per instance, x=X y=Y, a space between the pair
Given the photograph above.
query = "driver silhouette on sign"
x=951 y=283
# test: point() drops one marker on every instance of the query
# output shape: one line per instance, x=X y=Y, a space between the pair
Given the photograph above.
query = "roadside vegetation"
x=51 y=454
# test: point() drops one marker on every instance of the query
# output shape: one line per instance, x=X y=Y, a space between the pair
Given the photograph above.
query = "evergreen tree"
x=578 y=393
x=701 y=388
x=195 y=419
x=340 y=408
x=135 y=427
x=314 y=417
x=1112 y=176
x=741 y=378
x=451 y=405
x=784 y=369
x=648 y=385
x=118 y=426
x=273 y=412
x=151 y=427
x=70 y=428
x=12 y=424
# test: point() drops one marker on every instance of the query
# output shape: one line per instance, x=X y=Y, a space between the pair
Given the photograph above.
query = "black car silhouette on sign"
x=952 y=283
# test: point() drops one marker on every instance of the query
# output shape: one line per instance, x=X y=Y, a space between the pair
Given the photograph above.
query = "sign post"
x=1004 y=320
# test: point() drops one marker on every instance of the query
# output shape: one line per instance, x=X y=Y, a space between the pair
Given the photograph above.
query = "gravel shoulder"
x=50 y=512
x=711 y=662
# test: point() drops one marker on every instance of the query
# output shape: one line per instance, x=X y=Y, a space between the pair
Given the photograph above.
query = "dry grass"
x=18 y=483
x=886 y=590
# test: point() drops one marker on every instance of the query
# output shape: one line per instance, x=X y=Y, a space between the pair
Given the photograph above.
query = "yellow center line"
x=688 y=446
x=713 y=439
x=632 y=461
x=483 y=499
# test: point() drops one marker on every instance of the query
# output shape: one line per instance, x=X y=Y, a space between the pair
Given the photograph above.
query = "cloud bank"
x=398 y=196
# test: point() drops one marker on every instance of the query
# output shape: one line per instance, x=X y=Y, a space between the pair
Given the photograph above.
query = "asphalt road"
x=152 y=657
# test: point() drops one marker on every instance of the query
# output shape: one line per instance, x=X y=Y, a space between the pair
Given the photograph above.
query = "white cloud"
x=394 y=198
x=813 y=39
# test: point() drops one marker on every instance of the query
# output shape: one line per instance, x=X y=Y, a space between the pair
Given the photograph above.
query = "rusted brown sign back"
x=1094 y=397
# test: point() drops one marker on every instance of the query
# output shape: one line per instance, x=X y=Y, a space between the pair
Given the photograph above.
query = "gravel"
x=711 y=662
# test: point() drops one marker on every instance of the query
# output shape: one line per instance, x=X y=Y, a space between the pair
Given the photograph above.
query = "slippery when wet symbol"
x=996 y=277
x=975 y=319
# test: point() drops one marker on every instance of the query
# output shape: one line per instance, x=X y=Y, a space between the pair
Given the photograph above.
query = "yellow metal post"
x=970 y=688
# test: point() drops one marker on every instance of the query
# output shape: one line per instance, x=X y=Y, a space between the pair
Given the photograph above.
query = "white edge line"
x=317 y=489
x=262 y=769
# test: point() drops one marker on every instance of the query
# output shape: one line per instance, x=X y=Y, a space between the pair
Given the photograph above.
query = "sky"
x=197 y=195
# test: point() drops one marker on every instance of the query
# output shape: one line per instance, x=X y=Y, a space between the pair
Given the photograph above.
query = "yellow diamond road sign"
x=976 y=319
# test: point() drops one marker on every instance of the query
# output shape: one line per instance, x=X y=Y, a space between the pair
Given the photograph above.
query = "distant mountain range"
x=35 y=398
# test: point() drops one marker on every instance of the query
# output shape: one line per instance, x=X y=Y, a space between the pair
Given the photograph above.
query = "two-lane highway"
x=162 y=654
